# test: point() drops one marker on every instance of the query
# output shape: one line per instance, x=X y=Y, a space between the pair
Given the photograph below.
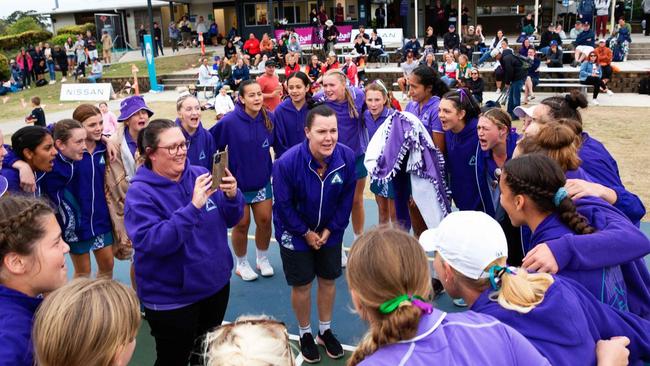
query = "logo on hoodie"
x=336 y=179
x=102 y=161
x=472 y=161
x=209 y=205
x=266 y=143
x=202 y=156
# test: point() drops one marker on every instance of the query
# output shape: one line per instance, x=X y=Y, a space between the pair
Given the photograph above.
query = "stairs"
x=172 y=81
x=639 y=51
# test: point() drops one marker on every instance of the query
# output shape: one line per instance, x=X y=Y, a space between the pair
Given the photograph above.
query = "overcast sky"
x=9 y=6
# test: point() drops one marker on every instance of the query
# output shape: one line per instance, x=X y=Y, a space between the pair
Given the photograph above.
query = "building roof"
x=75 y=6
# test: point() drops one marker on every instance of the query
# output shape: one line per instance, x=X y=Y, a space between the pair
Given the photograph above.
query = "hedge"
x=5 y=73
x=23 y=39
x=61 y=38
x=77 y=29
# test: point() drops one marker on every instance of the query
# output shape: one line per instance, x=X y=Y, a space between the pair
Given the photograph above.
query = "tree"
x=40 y=19
x=23 y=25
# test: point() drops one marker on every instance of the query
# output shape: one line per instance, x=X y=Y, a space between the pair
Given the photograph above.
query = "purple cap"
x=3 y=185
x=553 y=43
x=131 y=106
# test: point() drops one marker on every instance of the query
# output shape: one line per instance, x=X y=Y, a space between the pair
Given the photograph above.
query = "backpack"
x=618 y=55
x=525 y=62
x=41 y=82
x=644 y=85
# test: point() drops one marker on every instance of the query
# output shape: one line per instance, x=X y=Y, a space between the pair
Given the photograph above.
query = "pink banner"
x=305 y=34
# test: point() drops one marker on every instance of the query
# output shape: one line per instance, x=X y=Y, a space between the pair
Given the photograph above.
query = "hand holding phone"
x=219 y=165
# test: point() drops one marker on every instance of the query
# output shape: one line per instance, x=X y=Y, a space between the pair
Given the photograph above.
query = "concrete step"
x=641 y=56
x=180 y=76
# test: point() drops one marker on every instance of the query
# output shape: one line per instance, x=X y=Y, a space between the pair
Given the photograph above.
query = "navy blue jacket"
x=202 y=146
x=461 y=157
x=16 y=319
x=485 y=167
x=288 y=126
x=303 y=201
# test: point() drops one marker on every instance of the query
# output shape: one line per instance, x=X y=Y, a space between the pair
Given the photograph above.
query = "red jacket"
x=252 y=46
x=288 y=70
x=21 y=63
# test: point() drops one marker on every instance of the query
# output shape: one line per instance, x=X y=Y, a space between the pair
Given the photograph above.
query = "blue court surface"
x=271 y=296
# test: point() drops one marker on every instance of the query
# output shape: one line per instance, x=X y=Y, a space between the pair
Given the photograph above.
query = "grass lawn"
x=12 y=107
x=164 y=65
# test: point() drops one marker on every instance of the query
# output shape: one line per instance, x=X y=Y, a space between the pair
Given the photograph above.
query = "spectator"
x=70 y=53
x=439 y=18
x=294 y=46
x=201 y=27
x=109 y=118
x=602 y=10
x=493 y=48
x=95 y=71
x=430 y=41
x=413 y=45
x=179 y=312
x=330 y=35
x=239 y=73
x=452 y=14
x=50 y=63
x=39 y=63
x=532 y=79
x=313 y=70
x=621 y=45
x=462 y=71
x=107 y=47
x=481 y=37
x=470 y=41
x=525 y=46
x=554 y=55
x=270 y=85
x=591 y=74
x=375 y=47
x=380 y=16
x=332 y=62
x=262 y=64
x=213 y=33
x=174 y=36
x=350 y=70
x=584 y=44
x=141 y=32
x=16 y=75
x=266 y=46
x=448 y=70
x=252 y=48
x=547 y=36
x=339 y=14
x=91 y=45
x=430 y=61
x=363 y=34
x=157 y=40
x=322 y=15
x=291 y=65
x=207 y=77
x=225 y=72
x=527 y=24
x=407 y=68
x=229 y=50
x=514 y=77
x=576 y=30
x=37 y=117
x=223 y=102
x=604 y=56
x=81 y=61
x=451 y=41
x=476 y=85
x=560 y=31
x=186 y=31
x=586 y=10
x=359 y=45
x=464 y=19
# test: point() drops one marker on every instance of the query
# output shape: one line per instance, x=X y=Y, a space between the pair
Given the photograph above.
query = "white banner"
x=86 y=92
x=390 y=36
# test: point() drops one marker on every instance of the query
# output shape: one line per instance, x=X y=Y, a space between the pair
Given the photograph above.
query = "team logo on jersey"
x=102 y=161
x=202 y=156
x=266 y=143
x=472 y=161
x=336 y=179
x=209 y=205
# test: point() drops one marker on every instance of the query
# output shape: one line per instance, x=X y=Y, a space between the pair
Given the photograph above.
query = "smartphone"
x=219 y=165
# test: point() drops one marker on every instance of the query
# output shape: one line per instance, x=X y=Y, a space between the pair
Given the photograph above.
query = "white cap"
x=522 y=112
x=468 y=240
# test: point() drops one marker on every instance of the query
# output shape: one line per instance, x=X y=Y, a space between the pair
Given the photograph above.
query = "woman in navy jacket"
x=289 y=116
x=314 y=188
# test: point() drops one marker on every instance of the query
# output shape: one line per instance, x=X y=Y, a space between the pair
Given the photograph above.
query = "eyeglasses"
x=474 y=73
x=175 y=149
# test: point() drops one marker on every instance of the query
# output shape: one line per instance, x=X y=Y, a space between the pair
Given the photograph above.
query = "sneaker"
x=532 y=96
x=245 y=271
x=594 y=102
x=609 y=92
x=344 y=258
x=460 y=303
x=52 y=82
x=308 y=349
x=63 y=80
x=331 y=344
x=498 y=90
x=264 y=266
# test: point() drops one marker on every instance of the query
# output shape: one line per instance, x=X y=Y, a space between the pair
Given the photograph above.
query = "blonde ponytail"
x=352 y=108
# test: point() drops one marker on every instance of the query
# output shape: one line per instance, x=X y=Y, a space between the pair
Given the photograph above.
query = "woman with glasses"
x=476 y=85
x=178 y=224
x=591 y=74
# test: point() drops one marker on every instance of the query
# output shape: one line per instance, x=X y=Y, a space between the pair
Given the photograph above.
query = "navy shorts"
x=301 y=267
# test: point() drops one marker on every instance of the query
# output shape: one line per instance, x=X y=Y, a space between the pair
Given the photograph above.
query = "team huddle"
x=534 y=232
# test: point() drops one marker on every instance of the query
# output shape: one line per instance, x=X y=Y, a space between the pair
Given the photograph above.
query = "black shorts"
x=300 y=268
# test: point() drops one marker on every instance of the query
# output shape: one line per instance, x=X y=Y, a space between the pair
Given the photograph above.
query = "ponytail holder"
x=496 y=272
x=560 y=195
x=404 y=300
x=461 y=93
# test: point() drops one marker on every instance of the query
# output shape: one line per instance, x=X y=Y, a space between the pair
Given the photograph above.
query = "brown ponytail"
x=540 y=177
x=557 y=141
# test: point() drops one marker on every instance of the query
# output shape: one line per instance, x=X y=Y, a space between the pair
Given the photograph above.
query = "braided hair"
x=540 y=177
x=21 y=224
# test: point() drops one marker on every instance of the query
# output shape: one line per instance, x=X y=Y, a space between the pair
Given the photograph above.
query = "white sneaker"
x=344 y=258
x=245 y=271
x=594 y=102
x=264 y=267
x=498 y=90
x=52 y=82
x=63 y=80
x=609 y=92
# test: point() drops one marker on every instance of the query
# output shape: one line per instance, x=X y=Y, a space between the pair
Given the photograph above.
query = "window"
x=346 y=13
x=256 y=14
x=295 y=12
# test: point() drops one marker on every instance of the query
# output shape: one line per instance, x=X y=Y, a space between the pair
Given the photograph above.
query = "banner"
x=100 y=92
x=305 y=34
x=388 y=35
x=151 y=64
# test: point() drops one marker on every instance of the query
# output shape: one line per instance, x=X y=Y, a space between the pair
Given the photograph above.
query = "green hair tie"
x=392 y=304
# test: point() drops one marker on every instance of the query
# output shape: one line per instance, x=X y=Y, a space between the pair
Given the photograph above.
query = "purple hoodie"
x=201 y=146
x=428 y=114
x=16 y=320
x=249 y=143
x=596 y=260
x=466 y=338
x=181 y=252
x=351 y=133
x=569 y=322
x=462 y=150
x=288 y=126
